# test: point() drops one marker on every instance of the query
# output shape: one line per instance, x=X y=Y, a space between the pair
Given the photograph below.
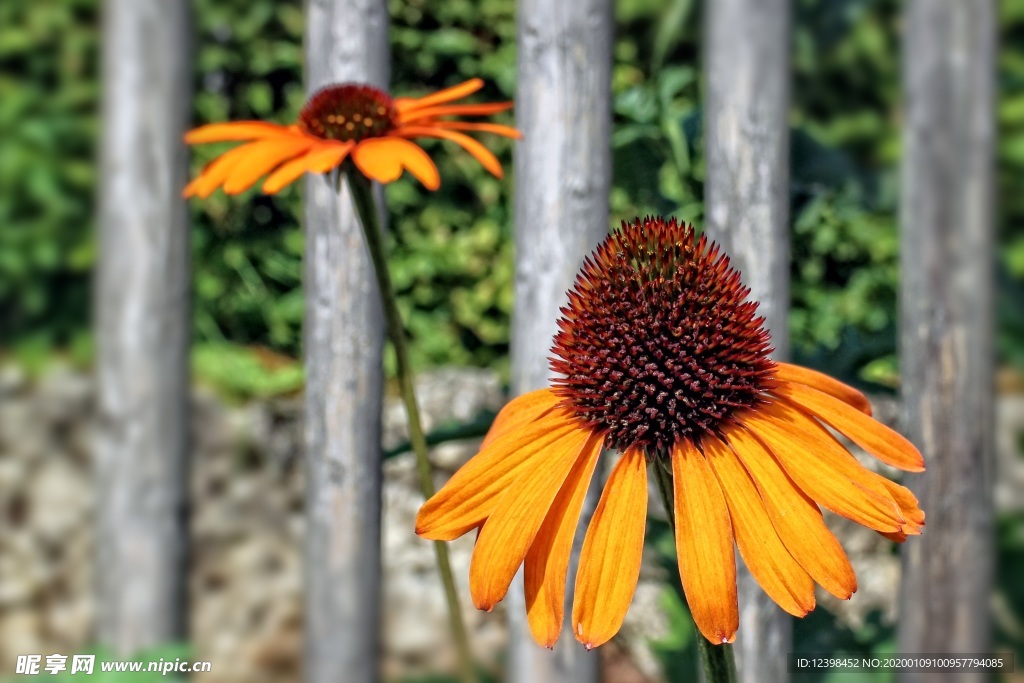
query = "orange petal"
x=471 y=494
x=822 y=467
x=497 y=129
x=479 y=152
x=322 y=158
x=547 y=561
x=870 y=434
x=234 y=130
x=382 y=159
x=266 y=155
x=771 y=564
x=610 y=559
x=822 y=382
x=704 y=545
x=214 y=174
x=908 y=503
x=456 y=92
x=795 y=517
x=512 y=526
x=454 y=110
x=520 y=411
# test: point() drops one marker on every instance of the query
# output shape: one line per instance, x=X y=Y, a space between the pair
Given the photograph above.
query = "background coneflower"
x=661 y=357
x=342 y=121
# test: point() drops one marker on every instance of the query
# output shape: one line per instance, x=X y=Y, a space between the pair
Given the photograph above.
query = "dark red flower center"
x=658 y=343
x=348 y=111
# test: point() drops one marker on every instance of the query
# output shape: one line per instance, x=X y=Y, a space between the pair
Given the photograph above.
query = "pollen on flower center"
x=348 y=112
x=657 y=343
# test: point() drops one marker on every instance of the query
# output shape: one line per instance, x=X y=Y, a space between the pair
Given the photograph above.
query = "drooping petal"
x=795 y=516
x=382 y=159
x=456 y=92
x=520 y=411
x=822 y=467
x=704 y=545
x=495 y=128
x=320 y=159
x=234 y=130
x=610 y=559
x=471 y=494
x=769 y=561
x=217 y=171
x=822 y=382
x=517 y=517
x=885 y=444
x=425 y=114
x=908 y=503
x=477 y=150
x=547 y=561
x=266 y=155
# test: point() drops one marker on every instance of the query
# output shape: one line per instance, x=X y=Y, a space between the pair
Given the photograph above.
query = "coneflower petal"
x=822 y=382
x=233 y=131
x=508 y=532
x=383 y=159
x=266 y=155
x=216 y=172
x=454 y=110
x=518 y=412
x=322 y=158
x=477 y=150
x=795 y=516
x=770 y=563
x=822 y=467
x=908 y=503
x=704 y=545
x=547 y=561
x=870 y=434
x=471 y=494
x=456 y=92
x=610 y=559
x=495 y=128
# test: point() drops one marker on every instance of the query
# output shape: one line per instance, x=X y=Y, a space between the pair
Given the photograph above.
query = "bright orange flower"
x=660 y=357
x=343 y=121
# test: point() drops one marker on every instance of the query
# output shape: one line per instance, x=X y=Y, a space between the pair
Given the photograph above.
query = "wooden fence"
x=563 y=177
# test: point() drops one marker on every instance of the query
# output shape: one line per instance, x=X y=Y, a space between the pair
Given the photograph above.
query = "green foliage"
x=48 y=97
x=452 y=249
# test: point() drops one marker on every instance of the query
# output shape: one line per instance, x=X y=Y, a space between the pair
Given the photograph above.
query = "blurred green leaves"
x=452 y=249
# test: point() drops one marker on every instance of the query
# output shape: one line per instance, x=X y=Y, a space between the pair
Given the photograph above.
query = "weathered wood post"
x=346 y=40
x=562 y=180
x=142 y=325
x=747 y=211
x=946 y=344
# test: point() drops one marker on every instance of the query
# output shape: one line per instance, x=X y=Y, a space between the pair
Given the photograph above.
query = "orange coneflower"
x=661 y=358
x=347 y=121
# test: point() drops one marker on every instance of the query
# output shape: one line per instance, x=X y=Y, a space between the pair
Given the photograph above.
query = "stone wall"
x=246 y=570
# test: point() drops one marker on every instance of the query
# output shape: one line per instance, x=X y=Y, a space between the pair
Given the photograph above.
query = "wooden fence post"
x=947 y=347
x=346 y=40
x=562 y=180
x=142 y=325
x=747 y=212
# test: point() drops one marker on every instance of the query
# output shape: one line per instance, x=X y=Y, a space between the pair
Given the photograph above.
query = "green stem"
x=366 y=207
x=718 y=661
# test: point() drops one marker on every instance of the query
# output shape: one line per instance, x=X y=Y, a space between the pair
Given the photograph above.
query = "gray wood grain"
x=142 y=325
x=747 y=212
x=946 y=341
x=562 y=180
x=346 y=40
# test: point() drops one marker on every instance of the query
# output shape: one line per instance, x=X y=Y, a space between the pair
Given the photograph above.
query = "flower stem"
x=362 y=196
x=718 y=661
